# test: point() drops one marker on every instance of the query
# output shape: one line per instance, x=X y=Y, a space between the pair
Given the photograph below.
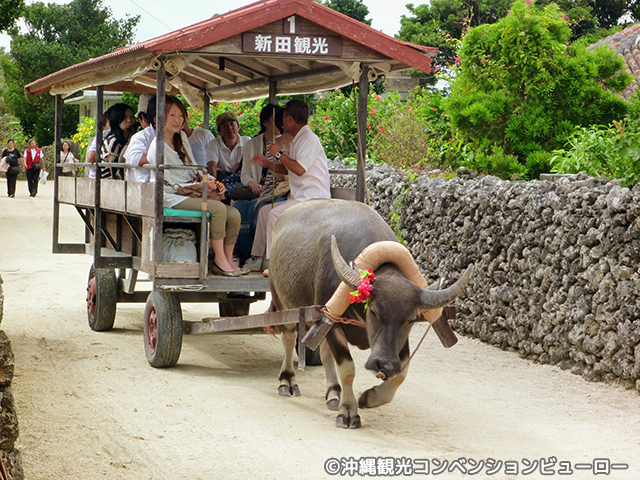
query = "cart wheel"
x=162 y=329
x=102 y=292
x=234 y=309
x=312 y=357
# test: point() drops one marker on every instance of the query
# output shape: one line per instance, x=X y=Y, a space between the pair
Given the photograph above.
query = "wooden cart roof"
x=302 y=45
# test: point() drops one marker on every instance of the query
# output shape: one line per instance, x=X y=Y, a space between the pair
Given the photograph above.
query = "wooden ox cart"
x=270 y=48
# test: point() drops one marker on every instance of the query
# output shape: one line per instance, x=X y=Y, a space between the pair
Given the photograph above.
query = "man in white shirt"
x=224 y=153
x=199 y=138
x=136 y=153
x=306 y=165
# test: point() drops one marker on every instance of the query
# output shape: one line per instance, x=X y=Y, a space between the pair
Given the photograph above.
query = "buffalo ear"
x=347 y=274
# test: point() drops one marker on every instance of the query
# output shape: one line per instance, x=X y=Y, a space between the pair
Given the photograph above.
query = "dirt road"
x=91 y=407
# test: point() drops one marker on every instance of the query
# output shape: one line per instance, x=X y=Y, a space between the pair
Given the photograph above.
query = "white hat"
x=143 y=102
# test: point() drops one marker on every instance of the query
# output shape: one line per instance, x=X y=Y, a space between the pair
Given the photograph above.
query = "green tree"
x=351 y=8
x=10 y=10
x=57 y=36
x=522 y=90
x=9 y=127
x=442 y=23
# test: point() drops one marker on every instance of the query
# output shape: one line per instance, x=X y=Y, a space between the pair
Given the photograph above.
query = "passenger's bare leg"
x=228 y=252
x=219 y=255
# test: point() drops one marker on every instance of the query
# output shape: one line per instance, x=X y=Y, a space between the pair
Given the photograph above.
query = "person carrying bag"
x=69 y=161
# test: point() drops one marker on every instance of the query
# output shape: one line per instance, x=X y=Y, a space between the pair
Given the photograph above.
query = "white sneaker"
x=256 y=264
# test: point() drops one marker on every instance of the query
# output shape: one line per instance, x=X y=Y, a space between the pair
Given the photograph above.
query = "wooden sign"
x=292 y=44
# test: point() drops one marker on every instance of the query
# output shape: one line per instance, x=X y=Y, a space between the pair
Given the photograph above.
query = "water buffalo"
x=304 y=272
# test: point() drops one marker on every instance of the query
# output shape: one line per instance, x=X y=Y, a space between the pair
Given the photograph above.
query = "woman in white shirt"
x=67 y=157
x=225 y=220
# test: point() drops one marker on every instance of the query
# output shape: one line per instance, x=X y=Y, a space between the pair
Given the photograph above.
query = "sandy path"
x=91 y=407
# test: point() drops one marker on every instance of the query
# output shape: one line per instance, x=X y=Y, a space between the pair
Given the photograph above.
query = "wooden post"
x=363 y=111
x=206 y=118
x=56 y=162
x=273 y=85
x=97 y=219
x=160 y=118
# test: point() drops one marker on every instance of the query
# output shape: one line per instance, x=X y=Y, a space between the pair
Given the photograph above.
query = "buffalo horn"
x=440 y=298
x=347 y=274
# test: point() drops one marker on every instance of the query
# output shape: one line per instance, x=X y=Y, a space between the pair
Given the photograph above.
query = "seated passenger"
x=136 y=153
x=199 y=138
x=122 y=124
x=224 y=154
x=225 y=220
x=252 y=175
x=258 y=178
x=306 y=165
x=91 y=155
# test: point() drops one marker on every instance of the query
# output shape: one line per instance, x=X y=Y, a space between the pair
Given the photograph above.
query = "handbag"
x=242 y=193
x=194 y=190
x=282 y=189
x=70 y=168
x=4 y=165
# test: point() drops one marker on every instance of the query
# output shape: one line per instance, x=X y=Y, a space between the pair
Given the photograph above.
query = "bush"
x=403 y=143
x=86 y=131
x=537 y=163
x=520 y=86
x=334 y=121
x=413 y=132
x=612 y=151
x=496 y=163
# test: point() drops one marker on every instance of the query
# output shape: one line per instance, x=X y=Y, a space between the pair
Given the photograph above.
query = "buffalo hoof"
x=344 y=422
x=295 y=390
x=284 y=391
x=289 y=391
x=355 y=422
x=333 y=404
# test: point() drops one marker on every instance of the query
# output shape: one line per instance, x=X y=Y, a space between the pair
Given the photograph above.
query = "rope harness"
x=339 y=319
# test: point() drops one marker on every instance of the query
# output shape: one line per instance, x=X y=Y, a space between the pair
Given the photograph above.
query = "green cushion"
x=174 y=212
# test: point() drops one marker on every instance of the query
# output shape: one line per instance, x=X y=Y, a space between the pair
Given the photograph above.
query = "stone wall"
x=556 y=264
x=8 y=418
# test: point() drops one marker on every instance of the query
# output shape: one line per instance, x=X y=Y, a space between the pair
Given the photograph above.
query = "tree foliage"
x=57 y=36
x=10 y=10
x=442 y=23
x=351 y=8
x=521 y=88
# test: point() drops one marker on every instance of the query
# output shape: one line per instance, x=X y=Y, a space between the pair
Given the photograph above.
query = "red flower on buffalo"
x=363 y=292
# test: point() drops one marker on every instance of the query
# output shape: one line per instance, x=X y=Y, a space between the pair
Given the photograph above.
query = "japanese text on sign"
x=292 y=44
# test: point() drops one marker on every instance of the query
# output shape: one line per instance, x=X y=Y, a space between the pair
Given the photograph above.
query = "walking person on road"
x=14 y=159
x=34 y=164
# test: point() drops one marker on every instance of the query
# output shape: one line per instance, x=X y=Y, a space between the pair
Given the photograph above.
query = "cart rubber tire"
x=162 y=329
x=234 y=309
x=312 y=357
x=102 y=294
